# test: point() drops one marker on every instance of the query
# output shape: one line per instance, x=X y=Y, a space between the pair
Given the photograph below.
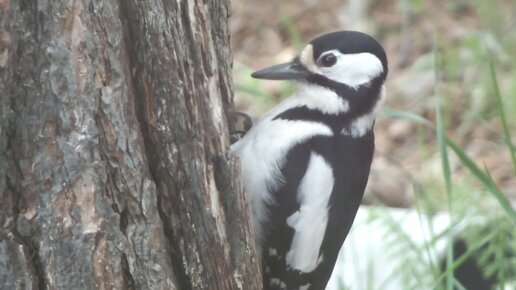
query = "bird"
x=305 y=164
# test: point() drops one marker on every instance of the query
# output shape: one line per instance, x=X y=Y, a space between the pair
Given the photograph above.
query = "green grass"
x=485 y=178
x=441 y=141
x=395 y=114
x=501 y=110
x=472 y=250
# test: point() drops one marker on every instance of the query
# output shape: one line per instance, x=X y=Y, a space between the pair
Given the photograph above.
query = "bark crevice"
x=133 y=47
x=37 y=264
x=30 y=246
x=128 y=280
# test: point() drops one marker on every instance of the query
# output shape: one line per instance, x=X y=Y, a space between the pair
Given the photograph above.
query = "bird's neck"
x=344 y=109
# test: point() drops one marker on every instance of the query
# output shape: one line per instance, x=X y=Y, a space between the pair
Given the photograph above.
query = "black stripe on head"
x=361 y=100
x=335 y=122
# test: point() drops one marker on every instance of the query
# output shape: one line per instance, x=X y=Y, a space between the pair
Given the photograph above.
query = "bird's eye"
x=327 y=60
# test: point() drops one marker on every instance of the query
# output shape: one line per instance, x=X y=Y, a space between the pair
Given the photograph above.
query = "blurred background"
x=444 y=172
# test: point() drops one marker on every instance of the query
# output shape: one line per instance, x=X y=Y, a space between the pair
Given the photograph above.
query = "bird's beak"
x=286 y=71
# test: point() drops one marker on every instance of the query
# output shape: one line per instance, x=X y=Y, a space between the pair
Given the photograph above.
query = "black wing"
x=350 y=160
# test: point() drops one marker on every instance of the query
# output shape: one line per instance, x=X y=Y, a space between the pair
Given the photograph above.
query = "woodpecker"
x=305 y=164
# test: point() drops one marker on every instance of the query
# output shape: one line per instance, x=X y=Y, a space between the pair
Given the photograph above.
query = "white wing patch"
x=262 y=153
x=310 y=221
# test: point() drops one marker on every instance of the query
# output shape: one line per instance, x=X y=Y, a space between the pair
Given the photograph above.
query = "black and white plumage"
x=306 y=163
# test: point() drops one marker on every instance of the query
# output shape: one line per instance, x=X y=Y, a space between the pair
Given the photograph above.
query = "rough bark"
x=114 y=172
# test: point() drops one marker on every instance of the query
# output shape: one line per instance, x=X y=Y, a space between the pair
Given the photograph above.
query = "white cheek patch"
x=353 y=69
x=320 y=98
x=310 y=221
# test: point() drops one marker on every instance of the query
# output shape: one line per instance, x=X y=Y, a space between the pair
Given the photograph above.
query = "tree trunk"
x=114 y=171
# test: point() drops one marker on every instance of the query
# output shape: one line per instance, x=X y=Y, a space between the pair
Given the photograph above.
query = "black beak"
x=286 y=71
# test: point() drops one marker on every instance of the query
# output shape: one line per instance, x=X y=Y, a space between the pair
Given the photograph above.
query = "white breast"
x=262 y=154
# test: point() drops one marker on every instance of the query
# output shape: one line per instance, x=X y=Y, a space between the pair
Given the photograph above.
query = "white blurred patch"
x=367 y=259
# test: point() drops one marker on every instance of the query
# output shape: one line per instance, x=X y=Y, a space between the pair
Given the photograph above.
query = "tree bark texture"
x=114 y=171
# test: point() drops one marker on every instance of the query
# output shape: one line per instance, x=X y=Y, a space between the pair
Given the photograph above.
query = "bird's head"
x=343 y=61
